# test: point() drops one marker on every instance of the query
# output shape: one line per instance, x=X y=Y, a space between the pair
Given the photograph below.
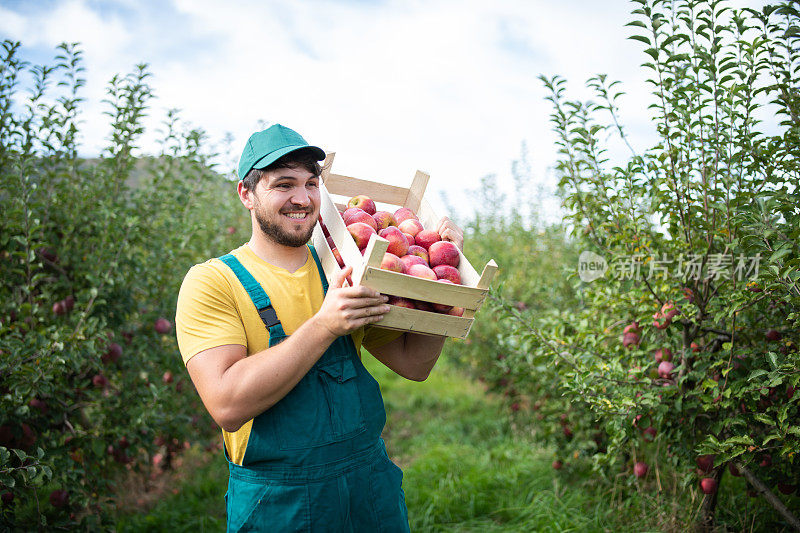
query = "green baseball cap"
x=265 y=147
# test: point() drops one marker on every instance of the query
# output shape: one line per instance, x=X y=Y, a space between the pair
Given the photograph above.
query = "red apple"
x=162 y=326
x=404 y=213
x=633 y=327
x=112 y=354
x=167 y=377
x=398 y=245
x=705 y=463
x=363 y=202
x=630 y=340
x=663 y=354
x=7 y=438
x=708 y=485
x=409 y=260
x=231 y=230
x=447 y=272
x=766 y=461
x=649 y=433
x=660 y=321
x=415 y=249
x=361 y=233
x=157 y=459
x=427 y=237
x=41 y=405
x=695 y=347
x=391 y=262
x=443 y=253
x=410 y=239
x=69 y=302
x=665 y=369
x=59 y=498
x=383 y=219
x=350 y=211
x=668 y=311
x=28 y=437
x=456 y=311
x=412 y=226
x=401 y=302
x=363 y=217
x=733 y=470
x=640 y=469
x=421 y=271
x=773 y=335
x=59 y=308
x=99 y=381
x=786 y=488
x=557 y=465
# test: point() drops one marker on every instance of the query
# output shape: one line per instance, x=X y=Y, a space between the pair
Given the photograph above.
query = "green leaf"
x=640 y=38
x=773 y=360
x=764 y=419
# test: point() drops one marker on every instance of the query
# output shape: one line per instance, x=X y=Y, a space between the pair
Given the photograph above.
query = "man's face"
x=286 y=205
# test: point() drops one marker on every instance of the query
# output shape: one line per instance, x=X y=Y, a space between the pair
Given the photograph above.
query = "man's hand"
x=346 y=309
x=448 y=231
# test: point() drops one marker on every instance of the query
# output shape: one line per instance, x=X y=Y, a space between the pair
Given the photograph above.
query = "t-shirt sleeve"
x=375 y=337
x=206 y=314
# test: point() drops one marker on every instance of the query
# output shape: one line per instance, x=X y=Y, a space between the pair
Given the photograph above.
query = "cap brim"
x=270 y=158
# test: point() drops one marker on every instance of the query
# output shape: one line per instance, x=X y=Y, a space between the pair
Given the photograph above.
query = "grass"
x=465 y=470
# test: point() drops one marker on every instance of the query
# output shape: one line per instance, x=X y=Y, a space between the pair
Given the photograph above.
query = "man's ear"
x=245 y=196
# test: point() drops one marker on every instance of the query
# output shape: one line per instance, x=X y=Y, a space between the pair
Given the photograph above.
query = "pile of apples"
x=412 y=249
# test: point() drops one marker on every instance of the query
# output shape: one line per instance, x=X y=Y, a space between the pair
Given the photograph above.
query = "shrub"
x=93 y=253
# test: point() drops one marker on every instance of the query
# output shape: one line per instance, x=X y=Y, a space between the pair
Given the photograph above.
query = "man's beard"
x=276 y=233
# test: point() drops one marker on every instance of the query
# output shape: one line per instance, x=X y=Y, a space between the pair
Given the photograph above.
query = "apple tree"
x=686 y=347
x=92 y=387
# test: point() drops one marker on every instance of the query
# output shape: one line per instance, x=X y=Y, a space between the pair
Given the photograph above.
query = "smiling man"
x=275 y=356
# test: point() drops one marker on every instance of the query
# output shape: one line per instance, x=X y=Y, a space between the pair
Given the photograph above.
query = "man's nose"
x=301 y=197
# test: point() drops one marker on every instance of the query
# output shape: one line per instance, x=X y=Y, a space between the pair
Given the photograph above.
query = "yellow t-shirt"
x=214 y=309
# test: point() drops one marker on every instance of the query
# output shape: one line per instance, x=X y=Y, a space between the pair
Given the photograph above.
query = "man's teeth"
x=296 y=215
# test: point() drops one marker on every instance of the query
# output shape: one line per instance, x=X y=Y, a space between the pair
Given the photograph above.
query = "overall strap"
x=348 y=339
x=319 y=268
x=257 y=295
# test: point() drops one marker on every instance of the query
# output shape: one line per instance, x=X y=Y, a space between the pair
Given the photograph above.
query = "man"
x=275 y=355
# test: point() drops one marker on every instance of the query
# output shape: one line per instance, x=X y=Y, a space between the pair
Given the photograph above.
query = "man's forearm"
x=412 y=355
x=254 y=384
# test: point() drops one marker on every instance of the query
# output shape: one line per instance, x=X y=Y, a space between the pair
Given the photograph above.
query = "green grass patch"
x=465 y=469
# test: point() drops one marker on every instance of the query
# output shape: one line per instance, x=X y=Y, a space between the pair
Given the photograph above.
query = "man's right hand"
x=346 y=309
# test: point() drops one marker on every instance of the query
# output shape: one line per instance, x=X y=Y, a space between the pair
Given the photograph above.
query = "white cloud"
x=446 y=86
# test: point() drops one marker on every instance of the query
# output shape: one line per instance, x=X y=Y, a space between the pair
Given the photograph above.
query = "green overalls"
x=315 y=461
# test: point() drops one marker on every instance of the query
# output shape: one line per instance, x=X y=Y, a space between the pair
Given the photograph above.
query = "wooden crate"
x=366 y=269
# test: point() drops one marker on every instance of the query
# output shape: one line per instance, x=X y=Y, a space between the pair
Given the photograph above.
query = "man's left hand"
x=448 y=231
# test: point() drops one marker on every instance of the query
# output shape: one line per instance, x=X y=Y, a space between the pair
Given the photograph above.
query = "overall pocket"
x=324 y=407
x=265 y=506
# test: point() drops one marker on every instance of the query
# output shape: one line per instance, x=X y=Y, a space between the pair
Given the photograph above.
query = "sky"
x=449 y=87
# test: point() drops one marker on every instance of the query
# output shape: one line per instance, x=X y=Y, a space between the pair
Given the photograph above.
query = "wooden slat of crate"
x=425 y=290
x=341 y=237
x=379 y=192
x=402 y=318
